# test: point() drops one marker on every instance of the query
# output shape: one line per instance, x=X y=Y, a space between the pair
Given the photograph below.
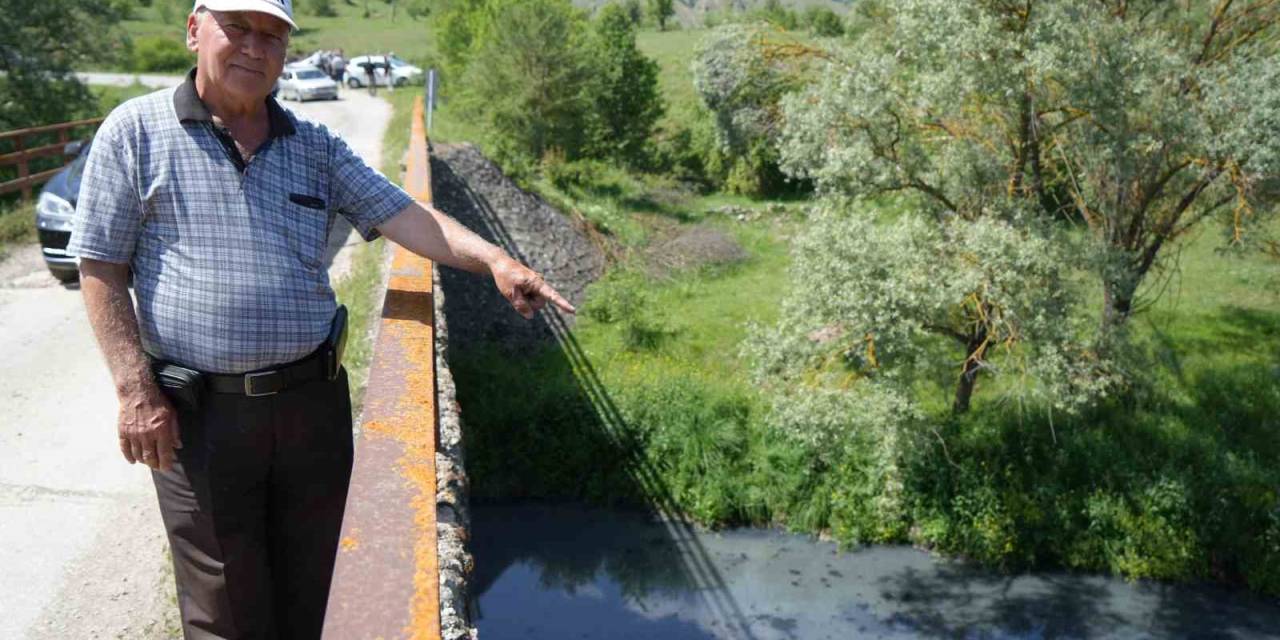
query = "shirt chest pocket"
x=307 y=226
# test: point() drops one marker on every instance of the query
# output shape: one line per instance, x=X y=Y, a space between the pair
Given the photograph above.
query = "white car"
x=402 y=72
x=306 y=83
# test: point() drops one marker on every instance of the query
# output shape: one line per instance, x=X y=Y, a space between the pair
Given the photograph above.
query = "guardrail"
x=21 y=155
x=386 y=580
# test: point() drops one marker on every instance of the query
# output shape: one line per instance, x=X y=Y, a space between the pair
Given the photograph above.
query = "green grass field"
x=349 y=31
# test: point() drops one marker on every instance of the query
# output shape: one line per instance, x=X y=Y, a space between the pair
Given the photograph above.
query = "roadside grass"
x=17 y=225
x=361 y=291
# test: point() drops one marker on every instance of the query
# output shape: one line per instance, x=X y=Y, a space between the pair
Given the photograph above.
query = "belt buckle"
x=248 y=384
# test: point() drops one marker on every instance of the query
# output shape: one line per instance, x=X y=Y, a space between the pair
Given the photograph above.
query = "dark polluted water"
x=560 y=572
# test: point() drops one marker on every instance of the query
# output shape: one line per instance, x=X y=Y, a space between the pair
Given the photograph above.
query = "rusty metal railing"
x=386 y=580
x=20 y=154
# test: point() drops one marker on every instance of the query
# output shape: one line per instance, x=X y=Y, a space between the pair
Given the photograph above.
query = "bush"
x=823 y=22
x=741 y=74
x=625 y=83
x=529 y=79
x=157 y=53
x=622 y=297
x=17 y=223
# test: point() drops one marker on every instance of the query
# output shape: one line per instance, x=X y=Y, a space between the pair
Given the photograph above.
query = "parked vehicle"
x=306 y=83
x=401 y=74
x=54 y=210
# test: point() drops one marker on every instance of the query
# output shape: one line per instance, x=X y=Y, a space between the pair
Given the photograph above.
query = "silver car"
x=307 y=83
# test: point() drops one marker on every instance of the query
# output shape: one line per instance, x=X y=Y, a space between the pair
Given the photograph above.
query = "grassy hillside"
x=692 y=13
x=349 y=30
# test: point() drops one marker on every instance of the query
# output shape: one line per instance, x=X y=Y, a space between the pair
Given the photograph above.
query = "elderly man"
x=221 y=202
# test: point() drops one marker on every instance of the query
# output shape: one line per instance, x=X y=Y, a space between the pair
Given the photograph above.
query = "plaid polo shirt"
x=227 y=255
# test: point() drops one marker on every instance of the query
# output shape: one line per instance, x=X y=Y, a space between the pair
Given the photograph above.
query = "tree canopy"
x=40 y=44
x=1138 y=119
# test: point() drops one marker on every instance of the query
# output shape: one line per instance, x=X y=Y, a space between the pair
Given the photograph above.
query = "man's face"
x=241 y=52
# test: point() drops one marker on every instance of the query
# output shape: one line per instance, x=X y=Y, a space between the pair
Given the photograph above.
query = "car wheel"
x=65 y=275
x=353 y=83
x=402 y=81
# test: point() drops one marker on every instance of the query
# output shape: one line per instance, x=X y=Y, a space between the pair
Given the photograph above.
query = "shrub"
x=625 y=82
x=823 y=22
x=622 y=297
x=157 y=53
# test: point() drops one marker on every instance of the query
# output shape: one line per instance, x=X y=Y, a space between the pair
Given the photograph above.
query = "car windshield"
x=310 y=75
x=397 y=62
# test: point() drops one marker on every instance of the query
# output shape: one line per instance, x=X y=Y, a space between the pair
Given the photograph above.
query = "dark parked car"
x=54 y=211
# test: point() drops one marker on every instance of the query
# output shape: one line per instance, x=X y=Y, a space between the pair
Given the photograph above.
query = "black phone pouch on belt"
x=184 y=387
x=336 y=343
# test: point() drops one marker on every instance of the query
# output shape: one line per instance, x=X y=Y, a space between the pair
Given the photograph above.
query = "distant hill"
x=690 y=13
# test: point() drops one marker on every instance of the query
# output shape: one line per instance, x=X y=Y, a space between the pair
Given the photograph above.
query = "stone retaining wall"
x=453 y=521
x=469 y=310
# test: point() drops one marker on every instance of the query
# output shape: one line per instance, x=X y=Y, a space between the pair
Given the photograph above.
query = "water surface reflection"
x=564 y=571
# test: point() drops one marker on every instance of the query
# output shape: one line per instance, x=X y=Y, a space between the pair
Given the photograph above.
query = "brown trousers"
x=253 y=509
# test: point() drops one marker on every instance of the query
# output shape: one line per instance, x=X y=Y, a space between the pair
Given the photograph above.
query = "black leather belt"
x=271 y=381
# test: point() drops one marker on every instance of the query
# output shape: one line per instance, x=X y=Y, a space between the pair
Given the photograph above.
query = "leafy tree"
x=823 y=22
x=40 y=44
x=876 y=297
x=662 y=10
x=775 y=13
x=526 y=79
x=462 y=24
x=628 y=103
x=741 y=73
x=635 y=11
x=1141 y=119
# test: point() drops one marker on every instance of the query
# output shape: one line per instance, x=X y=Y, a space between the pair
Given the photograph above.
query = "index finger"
x=547 y=292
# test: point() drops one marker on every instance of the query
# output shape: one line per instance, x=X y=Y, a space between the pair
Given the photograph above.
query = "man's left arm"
x=430 y=233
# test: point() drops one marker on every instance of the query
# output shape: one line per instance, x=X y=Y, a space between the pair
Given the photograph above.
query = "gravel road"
x=82 y=550
x=128 y=79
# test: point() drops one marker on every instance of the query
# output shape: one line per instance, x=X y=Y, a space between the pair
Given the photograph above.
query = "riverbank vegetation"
x=949 y=324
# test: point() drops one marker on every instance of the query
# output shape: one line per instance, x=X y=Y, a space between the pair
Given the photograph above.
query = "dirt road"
x=82 y=551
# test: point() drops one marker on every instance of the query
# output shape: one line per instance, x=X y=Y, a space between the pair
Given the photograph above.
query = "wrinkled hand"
x=148 y=428
x=525 y=289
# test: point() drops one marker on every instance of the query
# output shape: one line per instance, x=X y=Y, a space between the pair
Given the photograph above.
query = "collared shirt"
x=227 y=255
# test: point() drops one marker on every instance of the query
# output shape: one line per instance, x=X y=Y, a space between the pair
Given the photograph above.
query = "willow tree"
x=1140 y=119
x=881 y=298
x=741 y=73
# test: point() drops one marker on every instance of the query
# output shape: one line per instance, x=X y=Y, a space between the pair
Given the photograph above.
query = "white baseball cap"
x=282 y=9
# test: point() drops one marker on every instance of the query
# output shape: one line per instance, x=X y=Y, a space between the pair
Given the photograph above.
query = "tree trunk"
x=969 y=377
x=1117 y=303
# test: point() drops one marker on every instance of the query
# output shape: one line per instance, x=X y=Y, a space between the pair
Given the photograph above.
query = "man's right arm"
x=147 y=423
